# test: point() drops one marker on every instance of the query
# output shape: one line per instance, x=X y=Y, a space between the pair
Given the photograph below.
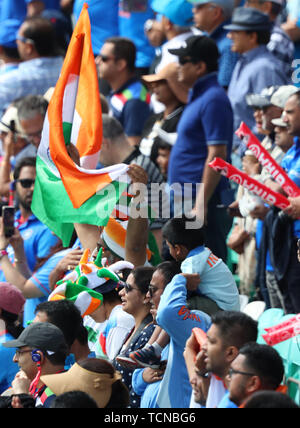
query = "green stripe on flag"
x=53 y=207
x=67 y=131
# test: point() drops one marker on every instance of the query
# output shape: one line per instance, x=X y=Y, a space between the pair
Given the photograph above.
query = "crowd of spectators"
x=167 y=326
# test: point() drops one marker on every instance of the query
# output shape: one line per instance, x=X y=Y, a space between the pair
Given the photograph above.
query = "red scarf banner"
x=282 y=332
x=266 y=160
x=249 y=183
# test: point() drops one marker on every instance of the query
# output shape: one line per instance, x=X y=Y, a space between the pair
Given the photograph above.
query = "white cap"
x=279 y=121
x=281 y=96
x=10 y=115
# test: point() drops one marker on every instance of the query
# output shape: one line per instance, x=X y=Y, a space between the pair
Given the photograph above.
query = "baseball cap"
x=8 y=32
x=249 y=19
x=11 y=298
x=170 y=74
x=179 y=12
x=263 y=99
x=279 y=121
x=43 y=336
x=10 y=115
x=283 y=93
x=226 y=5
x=200 y=48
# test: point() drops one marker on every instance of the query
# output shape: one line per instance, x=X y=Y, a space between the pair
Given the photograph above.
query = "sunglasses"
x=128 y=288
x=26 y=183
x=152 y=290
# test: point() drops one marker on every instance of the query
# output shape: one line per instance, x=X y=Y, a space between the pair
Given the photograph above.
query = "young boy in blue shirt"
x=215 y=281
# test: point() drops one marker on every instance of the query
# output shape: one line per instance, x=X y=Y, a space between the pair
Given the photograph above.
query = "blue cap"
x=179 y=12
x=249 y=19
x=8 y=32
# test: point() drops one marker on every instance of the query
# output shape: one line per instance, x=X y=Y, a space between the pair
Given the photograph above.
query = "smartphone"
x=13 y=126
x=8 y=215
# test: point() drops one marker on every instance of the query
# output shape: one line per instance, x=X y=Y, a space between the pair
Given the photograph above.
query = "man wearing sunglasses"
x=129 y=100
x=38 y=239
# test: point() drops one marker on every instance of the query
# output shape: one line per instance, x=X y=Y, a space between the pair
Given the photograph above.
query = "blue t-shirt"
x=217 y=282
x=177 y=320
x=17 y=9
x=291 y=164
x=206 y=120
x=130 y=105
x=38 y=240
x=9 y=369
x=131 y=25
x=40 y=278
x=228 y=59
x=104 y=20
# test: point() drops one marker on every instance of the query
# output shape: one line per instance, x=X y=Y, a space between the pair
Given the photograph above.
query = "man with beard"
x=37 y=238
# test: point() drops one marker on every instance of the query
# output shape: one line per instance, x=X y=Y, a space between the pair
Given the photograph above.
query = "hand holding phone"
x=8 y=215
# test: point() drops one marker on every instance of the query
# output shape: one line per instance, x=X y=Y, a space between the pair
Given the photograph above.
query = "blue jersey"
x=104 y=20
x=216 y=281
x=38 y=240
x=177 y=320
x=291 y=164
x=9 y=369
x=17 y=9
x=131 y=25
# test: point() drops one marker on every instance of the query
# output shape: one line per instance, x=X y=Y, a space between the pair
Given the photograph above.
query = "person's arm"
x=173 y=314
x=19 y=275
x=138 y=228
x=67 y=263
x=5 y=170
x=88 y=235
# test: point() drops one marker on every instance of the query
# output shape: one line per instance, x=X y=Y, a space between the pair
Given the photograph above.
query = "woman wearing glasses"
x=136 y=302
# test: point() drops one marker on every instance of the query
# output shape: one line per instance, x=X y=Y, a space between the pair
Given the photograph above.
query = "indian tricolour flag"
x=66 y=193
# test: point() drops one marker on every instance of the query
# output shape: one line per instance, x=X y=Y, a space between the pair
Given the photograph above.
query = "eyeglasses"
x=25 y=39
x=26 y=183
x=152 y=290
x=19 y=352
x=233 y=372
x=106 y=58
x=128 y=288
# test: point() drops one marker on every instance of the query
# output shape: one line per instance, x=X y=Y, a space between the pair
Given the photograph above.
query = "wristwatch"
x=3 y=253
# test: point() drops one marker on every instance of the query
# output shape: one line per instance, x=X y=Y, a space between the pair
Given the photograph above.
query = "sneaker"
x=146 y=357
x=127 y=362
